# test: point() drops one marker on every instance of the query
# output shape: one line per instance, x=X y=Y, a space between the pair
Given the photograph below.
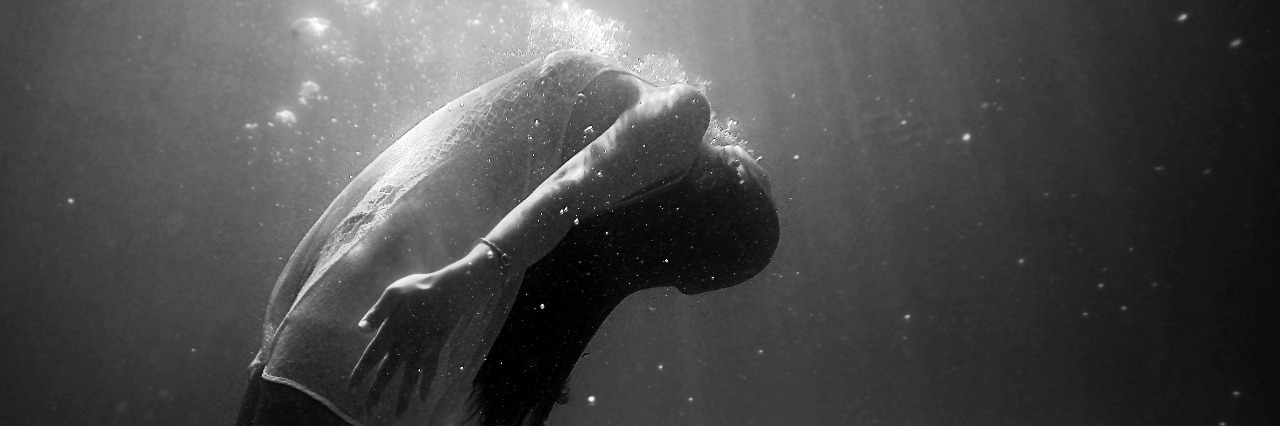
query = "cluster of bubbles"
x=373 y=70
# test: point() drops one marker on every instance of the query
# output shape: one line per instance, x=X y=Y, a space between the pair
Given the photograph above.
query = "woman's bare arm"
x=657 y=138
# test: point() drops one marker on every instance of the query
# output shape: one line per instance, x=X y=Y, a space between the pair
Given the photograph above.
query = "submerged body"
x=484 y=165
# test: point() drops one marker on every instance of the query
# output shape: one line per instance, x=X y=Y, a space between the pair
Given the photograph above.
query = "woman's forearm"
x=656 y=138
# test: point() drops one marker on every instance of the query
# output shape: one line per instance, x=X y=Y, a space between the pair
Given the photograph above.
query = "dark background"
x=1097 y=250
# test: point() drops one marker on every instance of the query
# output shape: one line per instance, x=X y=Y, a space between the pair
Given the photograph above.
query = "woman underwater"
x=509 y=223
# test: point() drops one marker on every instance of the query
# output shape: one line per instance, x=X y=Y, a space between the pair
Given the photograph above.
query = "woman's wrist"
x=483 y=257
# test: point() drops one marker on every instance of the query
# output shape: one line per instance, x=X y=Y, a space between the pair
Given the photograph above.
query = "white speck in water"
x=1022 y=262
x=907 y=317
x=1124 y=309
x=1235 y=43
x=564 y=210
x=759 y=351
x=666 y=260
x=691 y=399
x=71 y=201
x=1235 y=394
x=796 y=157
x=1101 y=285
x=309 y=90
x=250 y=126
x=591 y=400
x=286 y=117
x=542 y=306
x=575 y=221
x=1206 y=172
x=660 y=368
x=966 y=137
x=310 y=28
x=1085 y=314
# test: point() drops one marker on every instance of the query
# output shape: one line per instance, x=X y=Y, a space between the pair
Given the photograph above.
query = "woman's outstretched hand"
x=413 y=319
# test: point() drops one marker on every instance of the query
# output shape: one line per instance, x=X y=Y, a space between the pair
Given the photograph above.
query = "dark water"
x=993 y=212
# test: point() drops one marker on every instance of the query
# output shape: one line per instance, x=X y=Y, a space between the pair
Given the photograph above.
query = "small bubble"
x=564 y=210
x=591 y=400
x=286 y=117
x=796 y=157
x=575 y=221
x=966 y=137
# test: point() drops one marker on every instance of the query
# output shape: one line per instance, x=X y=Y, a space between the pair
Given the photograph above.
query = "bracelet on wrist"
x=503 y=259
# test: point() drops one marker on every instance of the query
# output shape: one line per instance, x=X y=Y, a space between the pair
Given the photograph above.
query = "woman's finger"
x=428 y=366
x=385 y=372
x=373 y=354
x=412 y=371
x=380 y=310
